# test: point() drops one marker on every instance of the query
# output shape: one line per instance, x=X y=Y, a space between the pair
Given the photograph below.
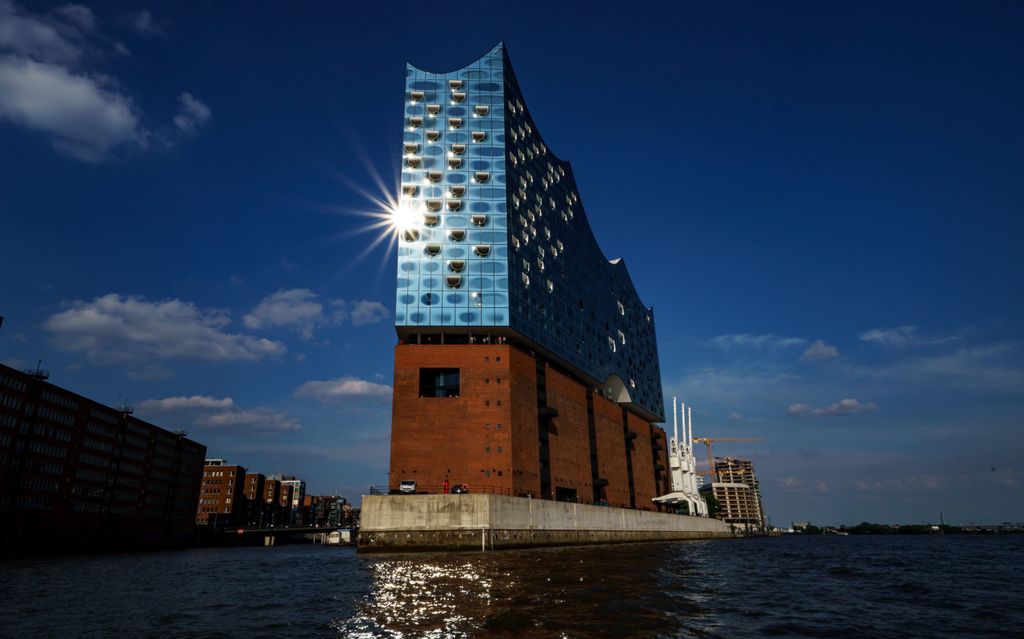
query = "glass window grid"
x=554 y=246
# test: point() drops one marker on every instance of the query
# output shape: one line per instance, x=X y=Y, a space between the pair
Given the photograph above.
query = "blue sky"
x=823 y=204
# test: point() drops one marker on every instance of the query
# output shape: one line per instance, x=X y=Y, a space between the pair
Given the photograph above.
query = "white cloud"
x=300 y=310
x=903 y=336
x=168 y=404
x=113 y=328
x=342 y=388
x=367 y=312
x=192 y=114
x=49 y=38
x=297 y=309
x=899 y=336
x=143 y=22
x=819 y=350
x=989 y=368
x=842 y=407
x=255 y=419
x=748 y=340
x=222 y=413
x=45 y=85
x=85 y=116
x=913 y=482
x=79 y=16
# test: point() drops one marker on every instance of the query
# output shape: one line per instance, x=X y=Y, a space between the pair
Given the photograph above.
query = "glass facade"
x=501 y=238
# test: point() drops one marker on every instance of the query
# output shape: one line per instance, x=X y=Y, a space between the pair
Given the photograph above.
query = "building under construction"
x=738 y=492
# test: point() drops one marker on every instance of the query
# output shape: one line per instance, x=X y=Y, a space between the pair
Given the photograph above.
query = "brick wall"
x=464 y=439
x=643 y=463
x=487 y=437
x=569 y=440
x=611 y=451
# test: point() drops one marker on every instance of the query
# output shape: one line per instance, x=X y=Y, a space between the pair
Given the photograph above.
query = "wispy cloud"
x=987 y=368
x=46 y=84
x=297 y=309
x=301 y=310
x=255 y=419
x=795 y=484
x=819 y=350
x=903 y=336
x=341 y=389
x=186 y=403
x=85 y=116
x=192 y=114
x=842 y=407
x=113 y=328
x=367 y=312
x=223 y=413
x=143 y=22
x=750 y=340
x=912 y=482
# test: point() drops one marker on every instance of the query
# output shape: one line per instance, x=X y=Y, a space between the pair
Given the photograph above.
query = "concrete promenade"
x=403 y=523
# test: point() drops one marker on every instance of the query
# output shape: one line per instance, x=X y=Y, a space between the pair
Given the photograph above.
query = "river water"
x=893 y=586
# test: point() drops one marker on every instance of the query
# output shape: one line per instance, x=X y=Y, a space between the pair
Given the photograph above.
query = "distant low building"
x=327 y=511
x=78 y=475
x=296 y=490
x=222 y=498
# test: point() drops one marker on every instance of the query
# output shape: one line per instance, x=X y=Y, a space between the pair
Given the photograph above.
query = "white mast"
x=675 y=429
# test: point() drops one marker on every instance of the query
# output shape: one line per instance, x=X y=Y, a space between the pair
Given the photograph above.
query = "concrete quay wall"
x=402 y=523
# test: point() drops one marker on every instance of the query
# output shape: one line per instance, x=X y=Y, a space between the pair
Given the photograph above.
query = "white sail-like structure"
x=683 y=466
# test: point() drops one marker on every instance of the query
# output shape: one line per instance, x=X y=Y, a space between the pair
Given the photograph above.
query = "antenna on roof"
x=38 y=373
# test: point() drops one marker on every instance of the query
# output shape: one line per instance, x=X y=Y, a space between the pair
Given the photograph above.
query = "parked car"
x=460 y=489
x=407 y=487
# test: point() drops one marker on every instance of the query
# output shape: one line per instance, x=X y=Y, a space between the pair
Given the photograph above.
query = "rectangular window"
x=439 y=382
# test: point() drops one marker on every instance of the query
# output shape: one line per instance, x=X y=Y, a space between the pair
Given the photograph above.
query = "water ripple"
x=878 y=587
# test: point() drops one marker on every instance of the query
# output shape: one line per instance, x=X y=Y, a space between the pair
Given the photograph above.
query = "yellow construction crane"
x=711 y=460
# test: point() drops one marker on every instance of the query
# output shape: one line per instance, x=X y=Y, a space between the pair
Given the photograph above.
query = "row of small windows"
x=433 y=135
x=23 y=502
x=139 y=429
x=129 y=482
x=103 y=430
x=55 y=416
x=105 y=417
x=11 y=382
x=90 y=475
x=49 y=450
x=134 y=454
x=103 y=447
x=45 y=468
x=123 y=509
x=88 y=491
x=131 y=469
x=433 y=177
x=60 y=400
x=10 y=401
x=94 y=460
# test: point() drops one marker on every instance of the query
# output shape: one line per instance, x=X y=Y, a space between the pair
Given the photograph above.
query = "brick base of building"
x=519 y=425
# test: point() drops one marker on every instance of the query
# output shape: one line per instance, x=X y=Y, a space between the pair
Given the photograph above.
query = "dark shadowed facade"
x=78 y=475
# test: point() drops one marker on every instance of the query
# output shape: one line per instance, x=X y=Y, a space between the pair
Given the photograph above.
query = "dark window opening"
x=565 y=494
x=439 y=382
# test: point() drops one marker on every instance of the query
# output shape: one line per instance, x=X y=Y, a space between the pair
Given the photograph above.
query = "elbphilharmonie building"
x=527 y=363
